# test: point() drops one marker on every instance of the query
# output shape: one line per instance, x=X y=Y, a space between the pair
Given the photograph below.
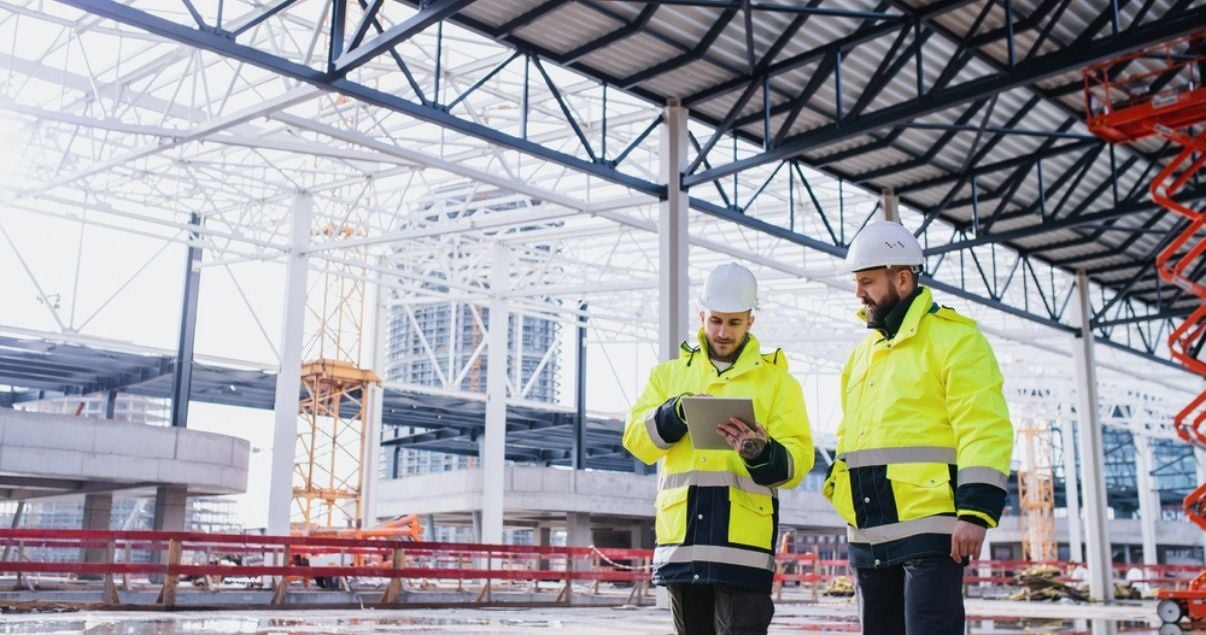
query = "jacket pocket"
x=837 y=490
x=751 y=519
x=670 y=525
x=921 y=489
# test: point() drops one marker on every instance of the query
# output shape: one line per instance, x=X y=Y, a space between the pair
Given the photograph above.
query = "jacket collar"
x=923 y=303
x=751 y=352
x=895 y=318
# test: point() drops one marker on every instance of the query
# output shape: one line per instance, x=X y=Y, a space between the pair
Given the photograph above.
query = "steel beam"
x=1026 y=72
x=431 y=13
x=494 y=445
x=182 y=371
x=216 y=43
x=1126 y=209
x=1090 y=433
x=1148 y=494
x=673 y=238
x=579 y=448
x=288 y=378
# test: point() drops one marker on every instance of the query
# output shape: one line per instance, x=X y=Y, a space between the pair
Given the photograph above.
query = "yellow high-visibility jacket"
x=717 y=516
x=925 y=437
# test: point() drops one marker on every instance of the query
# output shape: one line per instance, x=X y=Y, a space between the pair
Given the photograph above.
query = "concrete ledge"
x=556 y=490
x=88 y=449
x=1121 y=531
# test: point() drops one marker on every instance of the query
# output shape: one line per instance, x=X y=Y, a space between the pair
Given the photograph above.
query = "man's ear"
x=751 y=318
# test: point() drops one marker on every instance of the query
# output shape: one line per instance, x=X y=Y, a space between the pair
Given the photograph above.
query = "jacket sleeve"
x=789 y=453
x=975 y=405
x=655 y=422
x=845 y=381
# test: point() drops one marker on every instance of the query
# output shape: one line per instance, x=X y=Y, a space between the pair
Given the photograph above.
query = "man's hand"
x=749 y=439
x=966 y=541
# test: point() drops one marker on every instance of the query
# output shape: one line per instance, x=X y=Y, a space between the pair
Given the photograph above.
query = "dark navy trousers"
x=918 y=597
x=709 y=609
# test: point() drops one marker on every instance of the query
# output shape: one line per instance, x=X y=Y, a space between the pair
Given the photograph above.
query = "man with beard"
x=718 y=510
x=923 y=447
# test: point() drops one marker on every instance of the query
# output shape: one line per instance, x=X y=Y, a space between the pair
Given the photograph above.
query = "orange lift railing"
x=1122 y=106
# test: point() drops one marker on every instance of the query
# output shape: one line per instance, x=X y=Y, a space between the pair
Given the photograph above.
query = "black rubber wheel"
x=1170 y=612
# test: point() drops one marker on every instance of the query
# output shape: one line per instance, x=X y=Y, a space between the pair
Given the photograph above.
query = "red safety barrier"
x=297 y=559
x=287 y=557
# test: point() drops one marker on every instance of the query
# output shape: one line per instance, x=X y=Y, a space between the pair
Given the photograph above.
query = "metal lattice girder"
x=916 y=35
x=208 y=39
x=1023 y=74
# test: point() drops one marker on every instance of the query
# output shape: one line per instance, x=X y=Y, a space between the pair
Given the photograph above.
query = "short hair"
x=914 y=270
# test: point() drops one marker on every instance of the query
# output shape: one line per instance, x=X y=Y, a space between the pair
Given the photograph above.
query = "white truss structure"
x=111 y=138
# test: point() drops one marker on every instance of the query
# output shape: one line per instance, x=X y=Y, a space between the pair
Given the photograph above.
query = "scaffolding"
x=329 y=465
x=1036 y=491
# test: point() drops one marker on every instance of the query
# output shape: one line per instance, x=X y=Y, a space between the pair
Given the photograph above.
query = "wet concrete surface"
x=826 y=617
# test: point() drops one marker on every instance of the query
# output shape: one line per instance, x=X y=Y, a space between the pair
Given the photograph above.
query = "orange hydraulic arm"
x=1121 y=108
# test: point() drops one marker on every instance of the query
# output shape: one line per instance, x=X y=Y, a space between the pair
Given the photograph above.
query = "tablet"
x=705 y=413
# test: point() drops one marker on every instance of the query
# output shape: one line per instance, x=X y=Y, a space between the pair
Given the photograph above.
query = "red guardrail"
x=191 y=554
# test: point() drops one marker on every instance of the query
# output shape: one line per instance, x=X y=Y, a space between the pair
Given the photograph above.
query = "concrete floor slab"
x=985 y=616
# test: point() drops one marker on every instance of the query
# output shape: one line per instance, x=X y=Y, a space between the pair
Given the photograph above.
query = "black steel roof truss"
x=1025 y=73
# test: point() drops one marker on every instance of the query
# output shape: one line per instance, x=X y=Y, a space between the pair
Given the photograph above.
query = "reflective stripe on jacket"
x=925 y=437
x=716 y=516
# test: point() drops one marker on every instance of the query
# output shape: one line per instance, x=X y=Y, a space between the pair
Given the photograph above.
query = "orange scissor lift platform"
x=1122 y=107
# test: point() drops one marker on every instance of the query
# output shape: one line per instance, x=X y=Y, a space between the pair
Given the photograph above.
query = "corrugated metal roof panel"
x=1013 y=191
x=568 y=27
x=499 y=12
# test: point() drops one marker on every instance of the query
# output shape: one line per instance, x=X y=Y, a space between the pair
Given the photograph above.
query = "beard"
x=878 y=311
x=729 y=348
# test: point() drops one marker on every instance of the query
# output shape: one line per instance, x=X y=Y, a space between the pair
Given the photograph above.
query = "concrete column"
x=544 y=538
x=171 y=506
x=578 y=529
x=476 y=519
x=98 y=513
x=1071 y=492
x=288 y=378
x=110 y=404
x=1149 y=502
x=673 y=246
x=637 y=539
x=578 y=534
x=429 y=528
x=494 y=454
x=1101 y=587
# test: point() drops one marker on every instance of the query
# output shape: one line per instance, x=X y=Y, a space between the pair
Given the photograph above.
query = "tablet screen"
x=705 y=413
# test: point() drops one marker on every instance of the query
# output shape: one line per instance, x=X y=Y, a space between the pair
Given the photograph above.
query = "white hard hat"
x=730 y=288
x=883 y=244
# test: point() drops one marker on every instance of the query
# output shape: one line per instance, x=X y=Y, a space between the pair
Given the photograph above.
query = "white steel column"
x=673 y=244
x=1101 y=586
x=494 y=447
x=371 y=466
x=890 y=203
x=288 y=376
x=1149 y=504
x=1071 y=491
x=672 y=237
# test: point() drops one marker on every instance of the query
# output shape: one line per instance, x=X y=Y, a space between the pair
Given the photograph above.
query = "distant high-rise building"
x=440 y=344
